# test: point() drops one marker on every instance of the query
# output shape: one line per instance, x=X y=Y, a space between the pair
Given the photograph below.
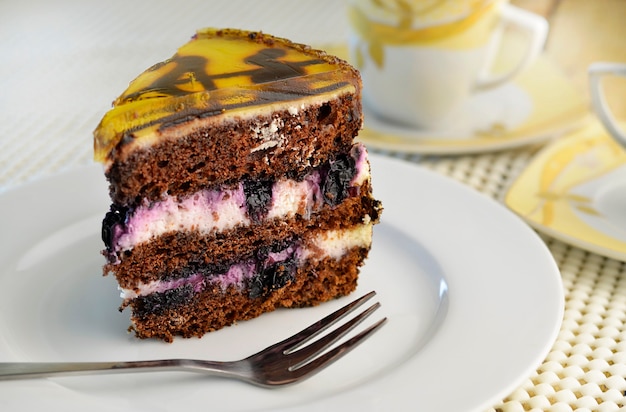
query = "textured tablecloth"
x=64 y=61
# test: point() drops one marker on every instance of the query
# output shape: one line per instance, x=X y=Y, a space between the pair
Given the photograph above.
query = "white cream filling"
x=290 y=196
x=336 y=243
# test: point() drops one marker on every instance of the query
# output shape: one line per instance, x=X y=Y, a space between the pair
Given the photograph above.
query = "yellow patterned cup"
x=422 y=59
x=596 y=72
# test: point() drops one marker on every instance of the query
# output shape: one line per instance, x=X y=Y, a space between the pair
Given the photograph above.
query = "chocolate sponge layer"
x=216 y=153
x=214 y=308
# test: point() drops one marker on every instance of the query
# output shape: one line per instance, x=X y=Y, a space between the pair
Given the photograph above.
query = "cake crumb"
x=269 y=135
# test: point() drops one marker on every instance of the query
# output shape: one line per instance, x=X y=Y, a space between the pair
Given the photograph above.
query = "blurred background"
x=583 y=32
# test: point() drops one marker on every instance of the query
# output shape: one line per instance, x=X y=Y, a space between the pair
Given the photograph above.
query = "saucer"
x=573 y=190
x=541 y=103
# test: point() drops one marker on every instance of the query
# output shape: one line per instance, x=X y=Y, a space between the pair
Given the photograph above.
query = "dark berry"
x=279 y=245
x=258 y=197
x=159 y=302
x=115 y=216
x=196 y=267
x=256 y=287
x=272 y=278
x=337 y=180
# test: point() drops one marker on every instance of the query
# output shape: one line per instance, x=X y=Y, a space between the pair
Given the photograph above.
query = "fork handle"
x=26 y=370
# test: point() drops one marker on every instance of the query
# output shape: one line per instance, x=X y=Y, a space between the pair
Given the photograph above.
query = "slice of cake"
x=235 y=182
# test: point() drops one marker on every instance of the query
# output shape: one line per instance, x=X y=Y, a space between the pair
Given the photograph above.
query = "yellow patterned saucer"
x=538 y=105
x=575 y=190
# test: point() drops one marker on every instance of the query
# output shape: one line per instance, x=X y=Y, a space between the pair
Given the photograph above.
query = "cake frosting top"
x=219 y=73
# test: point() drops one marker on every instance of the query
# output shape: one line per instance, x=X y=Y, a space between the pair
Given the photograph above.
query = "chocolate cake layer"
x=214 y=308
x=214 y=153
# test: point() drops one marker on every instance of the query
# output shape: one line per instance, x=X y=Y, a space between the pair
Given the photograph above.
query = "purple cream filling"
x=236 y=275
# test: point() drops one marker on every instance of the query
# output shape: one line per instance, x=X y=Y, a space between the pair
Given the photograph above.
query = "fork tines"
x=305 y=359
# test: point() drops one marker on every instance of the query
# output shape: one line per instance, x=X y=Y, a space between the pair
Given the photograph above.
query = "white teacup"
x=596 y=72
x=421 y=59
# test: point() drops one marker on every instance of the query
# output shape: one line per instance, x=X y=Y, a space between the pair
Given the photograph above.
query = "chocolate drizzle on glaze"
x=186 y=71
x=189 y=73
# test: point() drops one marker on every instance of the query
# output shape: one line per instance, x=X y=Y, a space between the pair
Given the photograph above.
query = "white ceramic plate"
x=473 y=297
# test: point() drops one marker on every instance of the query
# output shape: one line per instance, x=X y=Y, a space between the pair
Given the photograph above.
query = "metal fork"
x=283 y=363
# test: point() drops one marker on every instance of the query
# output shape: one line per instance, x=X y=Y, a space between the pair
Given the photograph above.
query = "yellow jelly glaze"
x=218 y=72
